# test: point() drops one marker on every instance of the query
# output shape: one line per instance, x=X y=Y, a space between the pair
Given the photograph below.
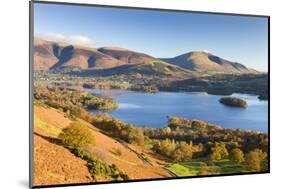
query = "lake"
x=146 y=109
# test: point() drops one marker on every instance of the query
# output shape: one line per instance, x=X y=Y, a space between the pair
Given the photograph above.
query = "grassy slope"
x=53 y=164
x=152 y=68
x=50 y=167
x=192 y=168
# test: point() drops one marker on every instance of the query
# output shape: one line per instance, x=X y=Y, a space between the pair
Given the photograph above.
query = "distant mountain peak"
x=207 y=63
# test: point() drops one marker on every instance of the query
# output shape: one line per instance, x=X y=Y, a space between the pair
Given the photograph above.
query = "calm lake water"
x=152 y=109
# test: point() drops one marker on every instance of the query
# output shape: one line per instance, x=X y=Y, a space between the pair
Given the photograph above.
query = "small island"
x=233 y=101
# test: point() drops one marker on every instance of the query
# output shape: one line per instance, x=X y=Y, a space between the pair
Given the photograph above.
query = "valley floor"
x=192 y=168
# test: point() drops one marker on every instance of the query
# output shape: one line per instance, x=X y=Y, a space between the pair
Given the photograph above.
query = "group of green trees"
x=211 y=142
x=176 y=151
x=178 y=123
x=71 y=100
x=118 y=129
x=93 y=102
x=182 y=151
x=199 y=132
x=145 y=88
x=254 y=160
x=106 y=85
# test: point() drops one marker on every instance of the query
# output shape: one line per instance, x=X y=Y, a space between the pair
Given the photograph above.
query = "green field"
x=192 y=168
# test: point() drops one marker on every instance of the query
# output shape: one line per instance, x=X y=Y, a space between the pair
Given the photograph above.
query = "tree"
x=218 y=151
x=237 y=155
x=167 y=147
x=254 y=159
x=114 y=126
x=182 y=152
x=164 y=147
x=77 y=135
x=215 y=155
x=137 y=137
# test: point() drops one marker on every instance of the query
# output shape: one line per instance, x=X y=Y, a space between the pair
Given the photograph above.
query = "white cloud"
x=71 y=39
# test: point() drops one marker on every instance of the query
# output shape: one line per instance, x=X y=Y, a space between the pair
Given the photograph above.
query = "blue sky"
x=160 y=34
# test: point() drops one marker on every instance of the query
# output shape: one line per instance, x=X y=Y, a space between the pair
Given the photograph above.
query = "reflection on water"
x=152 y=109
x=127 y=106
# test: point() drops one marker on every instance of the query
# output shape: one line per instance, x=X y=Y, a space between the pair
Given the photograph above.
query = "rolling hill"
x=105 y=61
x=51 y=56
x=58 y=56
x=207 y=63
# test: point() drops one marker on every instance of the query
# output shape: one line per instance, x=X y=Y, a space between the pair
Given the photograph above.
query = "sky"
x=162 y=34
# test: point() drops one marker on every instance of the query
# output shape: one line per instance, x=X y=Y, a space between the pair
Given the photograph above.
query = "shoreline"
x=181 y=91
x=97 y=112
x=151 y=127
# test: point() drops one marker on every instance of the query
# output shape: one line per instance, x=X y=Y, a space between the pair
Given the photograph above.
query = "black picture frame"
x=31 y=116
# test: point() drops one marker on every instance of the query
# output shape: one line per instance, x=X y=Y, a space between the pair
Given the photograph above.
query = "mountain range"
x=53 y=56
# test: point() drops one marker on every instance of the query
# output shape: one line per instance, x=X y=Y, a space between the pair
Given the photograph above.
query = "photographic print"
x=125 y=94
